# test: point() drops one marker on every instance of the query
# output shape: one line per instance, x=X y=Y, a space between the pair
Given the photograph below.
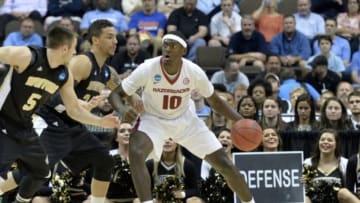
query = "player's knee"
x=103 y=166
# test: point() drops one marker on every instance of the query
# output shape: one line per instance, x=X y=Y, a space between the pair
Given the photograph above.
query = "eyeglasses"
x=125 y=130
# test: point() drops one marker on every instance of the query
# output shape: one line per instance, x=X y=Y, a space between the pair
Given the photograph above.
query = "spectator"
x=127 y=60
x=304 y=119
x=289 y=83
x=349 y=21
x=274 y=82
x=355 y=68
x=68 y=23
x=224 y=24
x=343 y=91
x=59 y=8
x=247 y=108
x=321 y=78
x=173 y=167
x=19 y=10
x=272 y=65
x=325 y=171
x=271 y=141
x=231 y=76
x=253 y=47
x=207 y=6
x=334 y=62
x=103 y=10
x=149 y=23
x=354 y=106
x=193 y=23
x=271 y=114
x=292 y=46
x=327 y=94
x=259 y=89
x=307 y=22
x=239 y=92
x=121 y=188
x=334 y=115
x=268 y=21
x=26 y=36
x=340 y=46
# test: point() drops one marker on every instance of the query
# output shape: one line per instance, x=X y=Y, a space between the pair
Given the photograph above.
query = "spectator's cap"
x=272 y=75
x=176 y=36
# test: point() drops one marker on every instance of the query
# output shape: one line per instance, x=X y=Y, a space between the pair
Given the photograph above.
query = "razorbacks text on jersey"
x=167 y=96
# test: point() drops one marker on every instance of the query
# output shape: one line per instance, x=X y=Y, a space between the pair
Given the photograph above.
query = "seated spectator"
x=304 y=117
x=325 y=171
x=268 y=21
x=247 y=108
x=239 y=92
x=271 y=114
x=224 y=24
x=343 y=90
x=307 y=22
x=339 y=47
x=193 y=23
x=230 y=76
x=253 y=47
x=26 y=36
x=174 y=177
x=320 y=77
x=121 y=188
x=202 y=109
x=68 y=23
x=334 y=62
x=19 y=10
x=103 y=10
x=259 y=89
x=168 y=6
x=292 y=46
x=290 y=82
x=127 y=60
x=348 y=23
x=59 y=8
x=294 y=94
x=274 y=82
x=354 y=107
x=327 y=94
x=271 y=141
x=272 y=65
x=334 y=115
x=149 y=23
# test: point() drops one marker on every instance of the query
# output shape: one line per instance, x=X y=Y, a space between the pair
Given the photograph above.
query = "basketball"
x=246 y=134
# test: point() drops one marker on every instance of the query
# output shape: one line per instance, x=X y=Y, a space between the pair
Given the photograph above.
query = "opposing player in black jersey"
x=68 y=140
x=33 y=76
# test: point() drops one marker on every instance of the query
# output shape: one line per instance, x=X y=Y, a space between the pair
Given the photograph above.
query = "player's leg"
x=222 y=164
x=139 y=148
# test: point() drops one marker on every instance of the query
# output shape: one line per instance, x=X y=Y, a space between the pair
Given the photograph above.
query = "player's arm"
x=17 y=57
x=77 y=112
x=223 y=107
x=80 y=67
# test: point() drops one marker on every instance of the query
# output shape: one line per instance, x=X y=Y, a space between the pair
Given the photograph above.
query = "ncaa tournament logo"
x=157 y=78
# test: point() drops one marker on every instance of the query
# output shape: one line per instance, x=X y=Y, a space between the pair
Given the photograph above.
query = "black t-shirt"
x=122 y=62
x=330 y=82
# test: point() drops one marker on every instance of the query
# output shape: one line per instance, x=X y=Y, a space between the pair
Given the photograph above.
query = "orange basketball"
x=246 y=134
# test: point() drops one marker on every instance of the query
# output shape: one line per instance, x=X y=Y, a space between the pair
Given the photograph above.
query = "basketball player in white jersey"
x=167 y=82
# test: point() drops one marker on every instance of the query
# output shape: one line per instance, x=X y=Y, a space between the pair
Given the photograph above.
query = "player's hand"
x=110 y=121
x=130 y=115
x=95 y=101
x=137 y=103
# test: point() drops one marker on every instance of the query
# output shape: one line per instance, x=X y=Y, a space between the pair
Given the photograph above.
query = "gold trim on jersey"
x=42 y=83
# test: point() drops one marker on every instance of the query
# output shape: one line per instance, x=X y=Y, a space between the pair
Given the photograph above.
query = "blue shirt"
x=310 y=25
x=16 y=39
x=288 y=85
x=334 y=63
x=114 y=16
x=150 y=23
x=298 y=45
x=355 y=63
x=340 y=48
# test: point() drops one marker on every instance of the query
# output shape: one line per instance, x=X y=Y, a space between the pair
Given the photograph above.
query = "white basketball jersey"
x=164 y=97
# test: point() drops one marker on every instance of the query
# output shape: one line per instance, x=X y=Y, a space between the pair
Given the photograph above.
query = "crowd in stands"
x=308 y=80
